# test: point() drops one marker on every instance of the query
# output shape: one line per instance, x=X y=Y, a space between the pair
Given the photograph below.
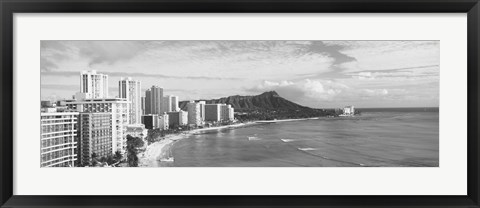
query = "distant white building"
x=202 y=110
x=194 y=113
x=183 y=117
x=231 y=115
x=131 y=90
x=93 y=85
x=179 y=118
x=175 y=103
x=163 y=121
x=166 y=104
x=349 y=110
x=154 y=100
x=142 y=106
x=226 y=113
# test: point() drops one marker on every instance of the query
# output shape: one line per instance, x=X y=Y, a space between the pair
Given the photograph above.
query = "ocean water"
x=377 y=138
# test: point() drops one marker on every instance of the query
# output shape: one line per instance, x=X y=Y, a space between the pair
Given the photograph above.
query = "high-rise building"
x=175 y=103
x=142 y=105
x=226 y=112
x=94 y=85
x=157 y=96
x=59 y=135
x=148 y=102
x=166 y=104
x=153 y=100
x=179 y=118
x=183 y=117
x=164 y=121
x=96 y=130
x=118 y=111
x=231 y=115
x=131 y=90
x=194 y=113
x=150 y=121
x=202 y=110
x=212 y=112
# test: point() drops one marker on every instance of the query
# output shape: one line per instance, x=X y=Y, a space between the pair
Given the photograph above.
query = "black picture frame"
x=9 y=7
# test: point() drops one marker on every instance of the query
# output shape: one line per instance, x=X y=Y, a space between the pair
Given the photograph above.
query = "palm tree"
x=132 y=144
x=94 y=159
x=118 y=156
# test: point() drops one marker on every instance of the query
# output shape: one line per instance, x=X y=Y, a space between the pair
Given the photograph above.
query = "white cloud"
x=312 y=73
x=375 y=92
x=269 y=84
x=385 y=55
x=330 y=93
x=303 y=91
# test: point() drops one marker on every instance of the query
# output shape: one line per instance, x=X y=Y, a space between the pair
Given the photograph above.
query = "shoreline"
x=158 y=151
x=286 y=120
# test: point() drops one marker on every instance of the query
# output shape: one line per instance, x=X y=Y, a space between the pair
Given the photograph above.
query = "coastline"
x=286 y=120
x=156 y=151
x=160 y=151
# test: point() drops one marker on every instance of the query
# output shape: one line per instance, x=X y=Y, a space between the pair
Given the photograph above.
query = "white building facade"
x=226 y=112
x=118 y=110
x=179 y=118
x=349 y=110
x=202 y=110
x=131 y=90
x=154 y=100
x=231 y=115
x=59 y=133
x=166 y=104
x=163 y=121
x=96 y=136
x=194 y=113
x=175 y=103
x=93 y=84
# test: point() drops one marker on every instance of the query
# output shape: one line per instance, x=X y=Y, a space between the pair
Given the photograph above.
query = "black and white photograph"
x=239 y=103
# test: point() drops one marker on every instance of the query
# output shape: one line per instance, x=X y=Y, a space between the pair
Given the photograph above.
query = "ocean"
x=400 y=137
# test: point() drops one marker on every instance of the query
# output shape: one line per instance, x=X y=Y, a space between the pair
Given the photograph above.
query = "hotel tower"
x=94 y=85
x=131 y=90
x=58 y=139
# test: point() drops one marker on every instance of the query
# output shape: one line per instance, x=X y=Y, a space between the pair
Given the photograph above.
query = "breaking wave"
x=252 y=138
x=307 y=149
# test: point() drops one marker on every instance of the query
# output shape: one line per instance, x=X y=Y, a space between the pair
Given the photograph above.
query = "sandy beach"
x=156 y=151
x=159 y=151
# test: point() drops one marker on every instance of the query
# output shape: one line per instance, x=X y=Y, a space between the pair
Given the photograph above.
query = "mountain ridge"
x=269 y=100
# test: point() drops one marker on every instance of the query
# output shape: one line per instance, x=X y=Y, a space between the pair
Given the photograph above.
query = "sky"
x=318 y=74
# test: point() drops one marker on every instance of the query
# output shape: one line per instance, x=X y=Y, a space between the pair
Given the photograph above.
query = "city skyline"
x=319 y=74
x=93 y=127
